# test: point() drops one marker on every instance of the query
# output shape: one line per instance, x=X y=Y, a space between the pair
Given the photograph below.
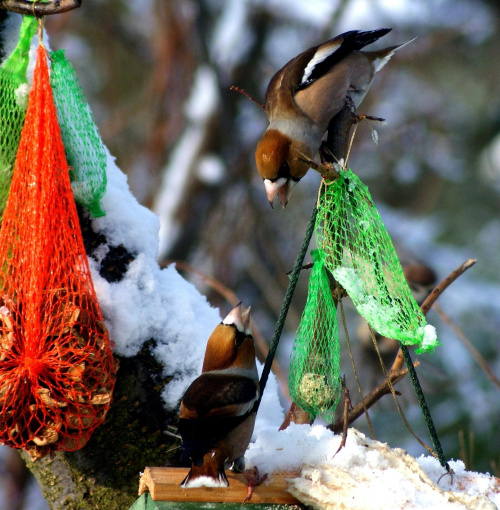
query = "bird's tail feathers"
x=209 y=474
x=381 y=57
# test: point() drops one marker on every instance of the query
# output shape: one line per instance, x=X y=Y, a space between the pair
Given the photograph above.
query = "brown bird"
x=217 y=413
x=305 y=95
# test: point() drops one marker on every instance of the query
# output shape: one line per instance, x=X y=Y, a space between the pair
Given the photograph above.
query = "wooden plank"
x=163 y=483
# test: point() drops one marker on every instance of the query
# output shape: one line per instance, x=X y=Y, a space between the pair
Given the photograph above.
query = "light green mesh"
x=13 y=102
x=314 y=379
x=85 y=151
x=361 y=257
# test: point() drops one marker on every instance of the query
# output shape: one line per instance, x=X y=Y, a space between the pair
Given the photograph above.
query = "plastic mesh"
x=314 y=380
x=13 y=102
x=85 y=151
x=56 y=371
x=361 y=257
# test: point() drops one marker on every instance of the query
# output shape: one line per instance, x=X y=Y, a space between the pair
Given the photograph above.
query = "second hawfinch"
x=302 y=98
x=217 y=413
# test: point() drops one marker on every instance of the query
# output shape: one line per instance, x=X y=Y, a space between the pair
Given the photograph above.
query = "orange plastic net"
x=56 y=367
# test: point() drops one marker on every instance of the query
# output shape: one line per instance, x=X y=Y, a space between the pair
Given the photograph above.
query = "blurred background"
x=158 y=73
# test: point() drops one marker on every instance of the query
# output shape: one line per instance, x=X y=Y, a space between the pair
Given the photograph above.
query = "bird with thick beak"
x=217 y=413
x=304 y=96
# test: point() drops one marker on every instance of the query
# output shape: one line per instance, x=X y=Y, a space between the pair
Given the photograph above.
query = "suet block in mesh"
x=361 y=257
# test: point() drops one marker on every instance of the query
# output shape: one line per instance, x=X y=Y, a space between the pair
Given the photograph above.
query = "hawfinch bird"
x=302 y=98
x=217 y=413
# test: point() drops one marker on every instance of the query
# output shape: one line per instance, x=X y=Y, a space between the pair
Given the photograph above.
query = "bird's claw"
x=360 y=118
x=254 y=480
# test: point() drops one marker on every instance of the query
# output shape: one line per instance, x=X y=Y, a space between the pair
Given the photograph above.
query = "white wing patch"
x=321 y=54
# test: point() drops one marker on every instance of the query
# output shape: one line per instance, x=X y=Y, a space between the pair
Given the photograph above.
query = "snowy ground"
x=366 y=474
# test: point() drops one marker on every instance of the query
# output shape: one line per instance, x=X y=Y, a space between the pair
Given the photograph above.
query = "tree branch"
x=384 y=388
x=39 y=9
x=432 y=297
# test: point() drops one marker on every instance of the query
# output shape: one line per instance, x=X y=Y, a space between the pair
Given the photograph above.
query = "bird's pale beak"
x=286 y=191
x=282 y=187
x=245 y=317
x=273 y=187
x=234 y=317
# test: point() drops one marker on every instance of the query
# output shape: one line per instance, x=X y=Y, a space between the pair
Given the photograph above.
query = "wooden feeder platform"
x=159 y=489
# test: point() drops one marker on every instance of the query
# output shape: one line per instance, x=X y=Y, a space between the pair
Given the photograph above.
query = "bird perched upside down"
x=304 y=96
x=217 y=413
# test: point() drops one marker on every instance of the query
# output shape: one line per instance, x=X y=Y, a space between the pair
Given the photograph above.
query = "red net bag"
x=56 y=367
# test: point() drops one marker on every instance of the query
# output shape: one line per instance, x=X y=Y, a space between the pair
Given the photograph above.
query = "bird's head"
x=231 y=344
x=279 y=165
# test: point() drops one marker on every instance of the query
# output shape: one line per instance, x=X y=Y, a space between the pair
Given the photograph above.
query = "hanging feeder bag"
x=56 y=367
x=314 y=380
x=362 y=259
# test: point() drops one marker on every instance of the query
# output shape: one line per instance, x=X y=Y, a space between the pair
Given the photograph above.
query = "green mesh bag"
x=13 y=102
x=85 y=151
x=361 y=257
x=314 y=379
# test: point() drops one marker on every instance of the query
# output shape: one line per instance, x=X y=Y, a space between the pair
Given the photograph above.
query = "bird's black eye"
x=284 y=171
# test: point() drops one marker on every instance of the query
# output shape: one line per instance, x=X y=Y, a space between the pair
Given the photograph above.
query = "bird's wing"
x=330 y=53
x=212 y=407
x=219 y=395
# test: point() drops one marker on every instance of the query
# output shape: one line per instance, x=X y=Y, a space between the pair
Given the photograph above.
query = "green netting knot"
x=314 y=379
x=14 y=93
x=85 y=151
x=361 y=257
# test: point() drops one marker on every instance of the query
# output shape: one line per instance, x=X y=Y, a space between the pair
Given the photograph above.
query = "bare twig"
x=39 y=9
x=345 y=415
x=431 y=299
x=247 y=95
x=232 y=298
x=468 y=345
x=438 y=290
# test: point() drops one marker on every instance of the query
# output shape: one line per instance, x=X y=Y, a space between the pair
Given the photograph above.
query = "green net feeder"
x=314 y=380
x=362 y=259
x=13 y=103
x=84 y=148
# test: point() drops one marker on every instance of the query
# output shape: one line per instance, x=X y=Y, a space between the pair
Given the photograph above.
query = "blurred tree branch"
x=38 y=8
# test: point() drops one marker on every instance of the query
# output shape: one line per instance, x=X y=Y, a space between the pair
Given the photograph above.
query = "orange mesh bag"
x=56 y=367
